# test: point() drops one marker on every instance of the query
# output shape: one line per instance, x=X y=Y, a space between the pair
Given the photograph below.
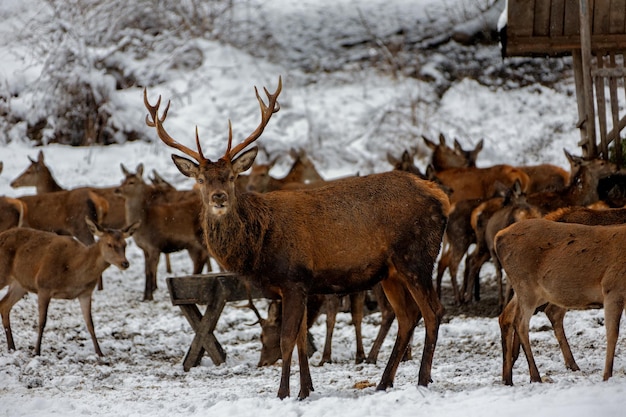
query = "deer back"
x=400 y=208
x=591 y=217
x=472 y=183
x=564 y=263
x=545 y=177
x=60 y=264
x=62 y=212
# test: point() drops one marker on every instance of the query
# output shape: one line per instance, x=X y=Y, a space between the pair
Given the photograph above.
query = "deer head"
x=216 y=180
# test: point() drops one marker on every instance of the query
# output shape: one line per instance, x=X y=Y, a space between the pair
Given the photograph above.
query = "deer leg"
x=200 y=258
x=293 y=316
x=426 y=304
x=507 y=332
x=13 y=295
x=498 y=268
x=408 y=315
x=613 y=307
x=556 y=315
x=151 y=259
x=332 y=307
x=521 y=322
x=43 y=300
x=85 y=306
x=168 y=263
x=306 y=383
x=473 y=263
x=444 y=263
x=387 y=318
x=357 y=302
x=457 y=256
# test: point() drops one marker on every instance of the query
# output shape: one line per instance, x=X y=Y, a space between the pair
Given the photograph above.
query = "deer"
x=568 y=266
x=164 y=227
x=280 y=241
x=302 y=171
x=444 y=157
x=330 y=305
x=516 y=210
x=270 y=326
x=39 y=175
x=581 y=191
x=12 y=213
x=55 y=266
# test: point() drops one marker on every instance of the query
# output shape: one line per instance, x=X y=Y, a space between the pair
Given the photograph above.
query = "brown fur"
x=444 y=157
x=302 y=171
x=164 y=227
x=12 y=213
x=54 y=266
x=569 y=266
x=337 y=239
x=590 y=217
x=38 y=175
x=582 y=189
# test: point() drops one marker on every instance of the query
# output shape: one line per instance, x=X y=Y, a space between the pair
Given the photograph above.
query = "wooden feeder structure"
x=593 y=32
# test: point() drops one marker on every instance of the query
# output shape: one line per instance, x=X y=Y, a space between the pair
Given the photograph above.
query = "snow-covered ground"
x=347 y=120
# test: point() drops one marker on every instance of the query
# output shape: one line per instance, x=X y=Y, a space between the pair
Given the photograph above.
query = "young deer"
x=164 y=227
x=569 y=266
x=337 y=239
x=54 y=266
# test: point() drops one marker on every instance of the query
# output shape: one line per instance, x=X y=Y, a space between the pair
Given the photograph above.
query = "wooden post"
x=589 y=122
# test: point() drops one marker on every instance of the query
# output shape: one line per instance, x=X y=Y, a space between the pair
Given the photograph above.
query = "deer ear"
x=243 y=162
x=185 y=166
x=130 y=229
x=94 y=227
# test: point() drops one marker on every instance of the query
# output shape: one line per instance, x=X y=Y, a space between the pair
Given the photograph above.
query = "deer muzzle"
x=218 y=202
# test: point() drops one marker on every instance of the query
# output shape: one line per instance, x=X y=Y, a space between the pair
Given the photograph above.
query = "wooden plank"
x=601 y=17
x=601 y=106
x=587 y=148
x=571 y=24
x=615 y=113
x=585 y=48
x=563 y=45
x=618 y=16
x=542 y=18
x=521 y=17
x=557 y=17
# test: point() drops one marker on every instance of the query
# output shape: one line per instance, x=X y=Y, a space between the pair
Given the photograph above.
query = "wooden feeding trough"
x=213 y=291
x=593 y=32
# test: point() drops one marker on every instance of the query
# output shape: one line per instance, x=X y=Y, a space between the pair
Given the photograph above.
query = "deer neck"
x=47 y=184
x=91 y=264
x=135 y=207
x=235 y=239
x=584 y=188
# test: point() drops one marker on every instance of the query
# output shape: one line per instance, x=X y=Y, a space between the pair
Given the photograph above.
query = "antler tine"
x=266 y=113
x=163 y=135
x=252 y=307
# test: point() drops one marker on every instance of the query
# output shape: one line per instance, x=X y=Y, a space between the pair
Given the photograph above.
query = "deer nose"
x=219 y=198
x=125 y=264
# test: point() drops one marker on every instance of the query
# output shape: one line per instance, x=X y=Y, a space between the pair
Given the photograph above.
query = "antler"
x=252 y=307
x=266 y=112
x=157 y=122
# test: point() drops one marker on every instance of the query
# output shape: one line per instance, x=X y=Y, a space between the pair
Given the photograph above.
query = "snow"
x=347 y=120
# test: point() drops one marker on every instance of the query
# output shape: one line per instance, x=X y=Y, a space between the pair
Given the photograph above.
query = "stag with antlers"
x=341 y=238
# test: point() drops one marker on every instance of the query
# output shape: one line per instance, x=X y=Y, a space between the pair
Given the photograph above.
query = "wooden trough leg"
x=204 y=339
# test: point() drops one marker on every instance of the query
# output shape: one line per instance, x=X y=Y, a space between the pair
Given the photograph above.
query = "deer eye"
x=232 y=178
x=200 y=180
